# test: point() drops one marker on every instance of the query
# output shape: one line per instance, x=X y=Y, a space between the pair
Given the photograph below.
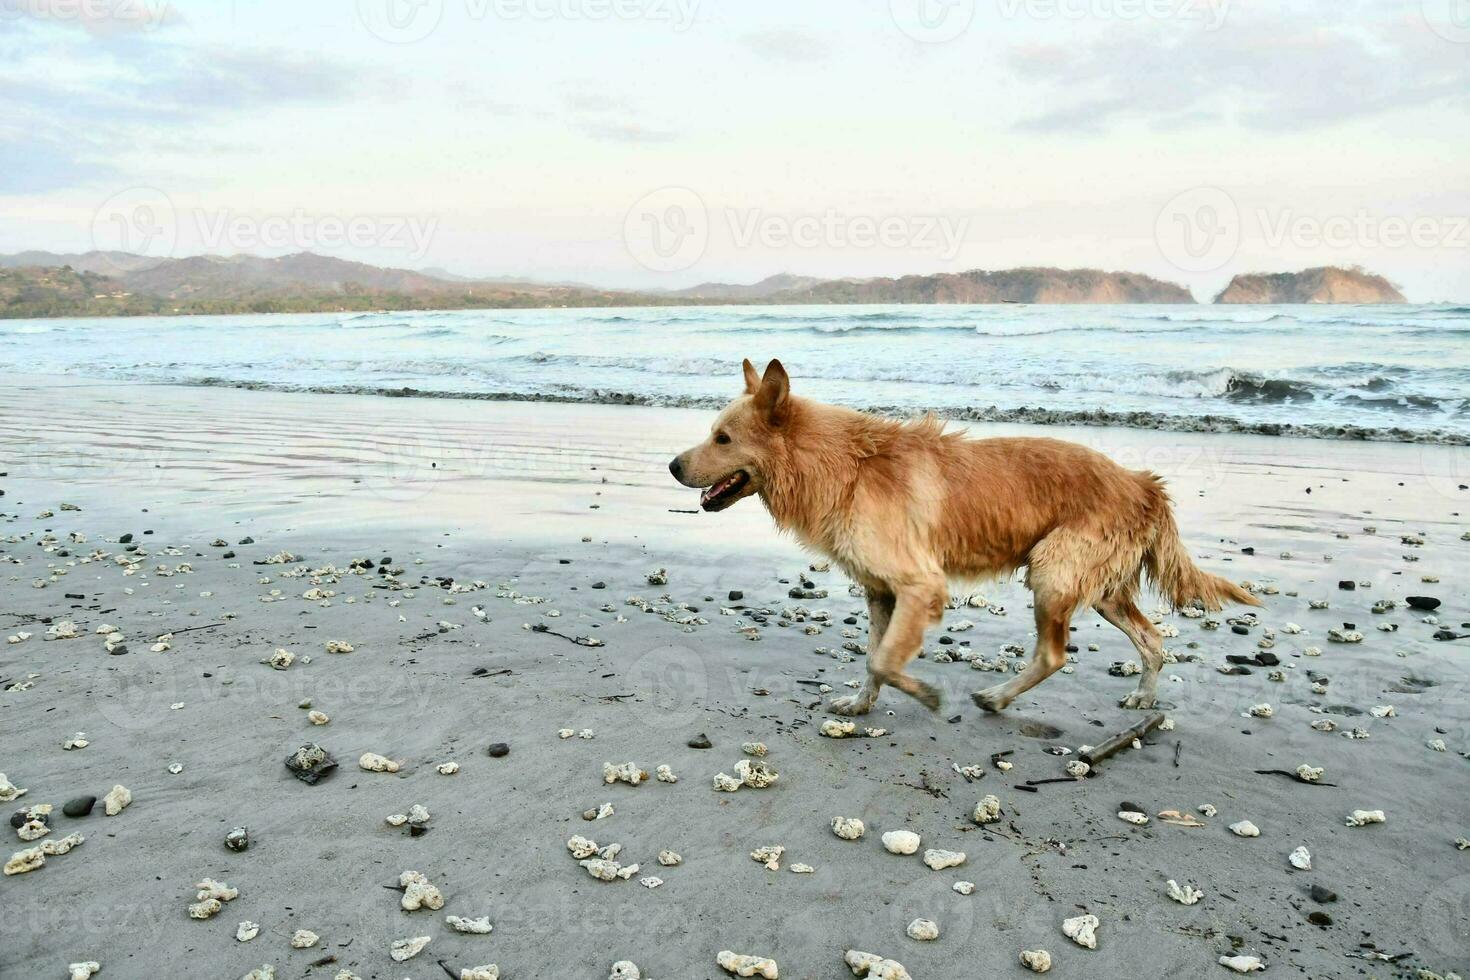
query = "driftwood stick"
x=1117 y=743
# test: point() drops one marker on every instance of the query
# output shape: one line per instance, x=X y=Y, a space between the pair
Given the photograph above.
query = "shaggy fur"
x=903 y=507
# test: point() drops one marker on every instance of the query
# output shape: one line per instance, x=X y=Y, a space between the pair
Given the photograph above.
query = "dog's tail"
x=1174 y=572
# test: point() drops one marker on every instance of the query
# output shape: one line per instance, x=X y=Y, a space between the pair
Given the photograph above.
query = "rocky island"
x=1326 y=284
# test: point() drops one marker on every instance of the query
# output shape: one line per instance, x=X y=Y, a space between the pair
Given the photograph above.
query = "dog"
x=904 y=507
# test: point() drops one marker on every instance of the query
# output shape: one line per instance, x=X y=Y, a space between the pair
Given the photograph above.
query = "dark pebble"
x=1266 y=659
x=1240 y=630
x=1247 y=551
x=1125 y=805
x=736 y=595
x=79 y=807
x=701 y=741
x=599 y=585
x=946 y=640
x=18 y=819
x=1323 y=896
x=1319 y=918
x=499 y=750
x=238 y=839
x=1424 y=602
x=119 y=650
x=126 y=538
x=228 y=554
x=247 y=540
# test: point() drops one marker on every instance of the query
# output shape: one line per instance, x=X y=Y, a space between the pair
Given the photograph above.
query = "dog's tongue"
x=716 y=490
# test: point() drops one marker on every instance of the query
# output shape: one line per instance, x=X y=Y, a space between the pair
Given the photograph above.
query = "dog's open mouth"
x=725 y=492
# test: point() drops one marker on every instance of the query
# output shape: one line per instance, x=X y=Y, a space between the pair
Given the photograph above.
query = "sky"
x=663 y=143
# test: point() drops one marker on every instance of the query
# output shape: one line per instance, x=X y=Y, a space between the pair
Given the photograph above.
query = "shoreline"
x=1027 y=415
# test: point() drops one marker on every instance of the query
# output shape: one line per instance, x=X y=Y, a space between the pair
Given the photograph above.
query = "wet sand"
x=549 y=502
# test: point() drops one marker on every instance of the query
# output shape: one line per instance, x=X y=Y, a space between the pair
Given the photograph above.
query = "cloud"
x=1261 y=70
x=786 y=45
x=73 y=107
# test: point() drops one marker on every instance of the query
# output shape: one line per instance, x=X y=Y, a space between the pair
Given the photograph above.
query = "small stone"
x=1245 y=829
x=747 y=966
x=238 y=839
x=901 y=842
x=848 y=828
x=923 y=930
x=1242 y=964
x=1322 y=895
x=499 y=750
x=79 y=806
x=1036 y=960
x=1301 y=859
x=304 y=939
x=939 y=860
x=700 y=741
x=116 y=800
x=1082 y=930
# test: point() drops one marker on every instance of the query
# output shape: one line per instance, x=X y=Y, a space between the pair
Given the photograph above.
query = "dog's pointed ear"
x=774 y=394
x=752 y=378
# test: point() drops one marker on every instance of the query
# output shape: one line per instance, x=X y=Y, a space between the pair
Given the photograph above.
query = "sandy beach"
x=489 y=565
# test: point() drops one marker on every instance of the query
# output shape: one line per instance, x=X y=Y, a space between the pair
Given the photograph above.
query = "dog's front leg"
x=880 y=611
x=916 y=607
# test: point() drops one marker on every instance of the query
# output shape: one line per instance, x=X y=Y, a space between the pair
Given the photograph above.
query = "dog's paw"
x=853 y=704
x=990 y=700
x=1137 y=701
x=928 y=696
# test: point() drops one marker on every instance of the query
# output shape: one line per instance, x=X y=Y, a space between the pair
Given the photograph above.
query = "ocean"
x=1398 y=373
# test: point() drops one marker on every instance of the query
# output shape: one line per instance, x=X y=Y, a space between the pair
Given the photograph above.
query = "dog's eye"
x=722 y=438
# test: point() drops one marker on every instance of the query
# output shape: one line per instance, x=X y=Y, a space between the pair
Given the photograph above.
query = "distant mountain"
x=1327 y=284
x=767 y=287
x=36 y=283
x=221 y=277
x=99 y=263
x=47 y=284
x=1031 y=285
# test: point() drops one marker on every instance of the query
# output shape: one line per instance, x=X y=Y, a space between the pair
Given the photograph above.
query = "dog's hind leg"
x=880 y=611
x=1120 y=610
x=1053 y=617
x=916 y=607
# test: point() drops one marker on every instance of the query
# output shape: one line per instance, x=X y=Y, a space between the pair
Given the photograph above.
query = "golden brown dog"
x=904 y=507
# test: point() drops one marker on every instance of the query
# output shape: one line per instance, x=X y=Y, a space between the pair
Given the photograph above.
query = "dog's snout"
x=676 y=467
